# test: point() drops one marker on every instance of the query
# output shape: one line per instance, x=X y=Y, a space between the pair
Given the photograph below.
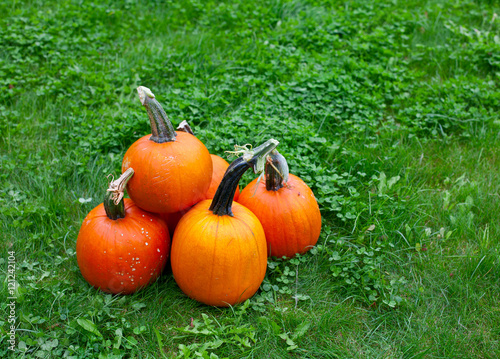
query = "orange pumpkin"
x=121 y=248
x=220 y=166
x=286 y=207
x=171 y=219
x=173 y=169
x=218 y=252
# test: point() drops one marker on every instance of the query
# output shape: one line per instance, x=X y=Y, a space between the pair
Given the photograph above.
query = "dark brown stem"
x=223 y=199
x=161 y=127
x=276 y=171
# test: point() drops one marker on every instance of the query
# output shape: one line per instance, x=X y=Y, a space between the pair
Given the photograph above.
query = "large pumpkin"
x=173 y=169
x=121 y=248
x=286 y=207
x=218 y=252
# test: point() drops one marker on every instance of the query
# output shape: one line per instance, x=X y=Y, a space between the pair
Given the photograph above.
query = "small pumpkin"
x=285 y=206
x=173 y=169
x=121 y=248
x=218 y=252
x=171 y=219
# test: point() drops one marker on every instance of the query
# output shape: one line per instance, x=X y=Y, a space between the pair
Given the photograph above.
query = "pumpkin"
x=121 y=248
x=173 y=169
x=286 y=207
x=219 y=167
x=171 y=219
x=218 y=252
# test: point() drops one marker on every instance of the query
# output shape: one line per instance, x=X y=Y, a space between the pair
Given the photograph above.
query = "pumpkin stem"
x=223 y=199
x=161 y=127
x=276 y=171
x=184 y=127
x=113 y=201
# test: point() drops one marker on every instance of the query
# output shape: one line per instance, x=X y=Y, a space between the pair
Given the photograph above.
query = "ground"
x=388 y=110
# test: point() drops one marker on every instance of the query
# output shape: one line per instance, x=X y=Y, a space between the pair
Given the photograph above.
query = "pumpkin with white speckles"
x=120 y=247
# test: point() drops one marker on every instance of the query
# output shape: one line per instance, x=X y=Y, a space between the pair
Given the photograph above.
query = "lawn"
x=388 y=110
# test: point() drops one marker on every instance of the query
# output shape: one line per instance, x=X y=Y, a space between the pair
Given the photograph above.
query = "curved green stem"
x=276 y=171
x=223 y=199
x=161 y=127
x=113 y=201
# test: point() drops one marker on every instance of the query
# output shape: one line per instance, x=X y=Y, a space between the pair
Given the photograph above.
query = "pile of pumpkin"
x=178 y=190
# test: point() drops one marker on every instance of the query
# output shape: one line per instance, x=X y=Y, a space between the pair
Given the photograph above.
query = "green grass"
x=387 y=109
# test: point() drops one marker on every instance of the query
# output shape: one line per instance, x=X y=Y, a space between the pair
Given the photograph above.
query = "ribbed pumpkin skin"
x=170 y=176
x=219 y=260
x=290 y=216
x=123 y=255
x=220 y=166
